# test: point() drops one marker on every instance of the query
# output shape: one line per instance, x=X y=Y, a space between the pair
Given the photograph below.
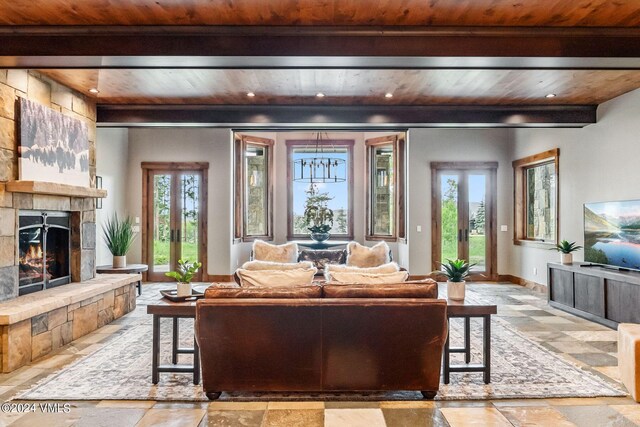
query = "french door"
x=174 y=220
x=464 y=215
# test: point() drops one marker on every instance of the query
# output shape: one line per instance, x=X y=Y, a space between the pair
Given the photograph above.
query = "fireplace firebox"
x=44 y=246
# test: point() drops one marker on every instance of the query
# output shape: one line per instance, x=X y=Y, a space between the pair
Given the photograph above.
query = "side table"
x=467 y=311
x=129 y=269
x=174 y=311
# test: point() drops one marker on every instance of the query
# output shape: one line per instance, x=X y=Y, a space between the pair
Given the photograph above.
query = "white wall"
x=597 y=163
x=111 y=164
x=188 y=145
x=428 y=145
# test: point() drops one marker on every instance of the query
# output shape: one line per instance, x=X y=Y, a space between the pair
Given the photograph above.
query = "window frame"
x=240 y=146
x=399 y=166
x=520 y=197
x=291 y=145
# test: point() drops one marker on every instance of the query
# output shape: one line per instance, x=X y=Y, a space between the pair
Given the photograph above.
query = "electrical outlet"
x=419 y=229
x=503 y=228
x=535 y=271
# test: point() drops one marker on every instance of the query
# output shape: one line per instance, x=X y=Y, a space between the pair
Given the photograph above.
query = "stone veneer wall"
x=30 y=339
x=32 y=85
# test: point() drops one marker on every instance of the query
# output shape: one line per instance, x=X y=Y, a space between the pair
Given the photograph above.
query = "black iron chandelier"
x=319 y=167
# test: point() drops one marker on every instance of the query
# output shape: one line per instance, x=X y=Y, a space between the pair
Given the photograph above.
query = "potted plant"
x=456 y=271
x=317 y=216
x=118 y=236
x=566 y=248
x=184 y=275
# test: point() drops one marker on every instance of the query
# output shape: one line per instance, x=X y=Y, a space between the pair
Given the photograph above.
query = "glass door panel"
x=477 y=230
x=449 y=184
x=161 y=226
x=188 y=238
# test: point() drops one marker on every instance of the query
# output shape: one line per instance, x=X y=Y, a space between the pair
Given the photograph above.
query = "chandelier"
x=319 y=167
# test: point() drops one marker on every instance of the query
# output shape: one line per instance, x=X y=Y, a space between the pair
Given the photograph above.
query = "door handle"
x=178 y=235
x=171 y=236
x=466 y=234
x=460 y=235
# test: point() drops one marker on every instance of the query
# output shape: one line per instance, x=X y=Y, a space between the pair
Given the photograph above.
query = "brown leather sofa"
x=310 y=339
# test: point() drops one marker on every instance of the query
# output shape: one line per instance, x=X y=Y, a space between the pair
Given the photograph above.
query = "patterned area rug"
x=121 y=369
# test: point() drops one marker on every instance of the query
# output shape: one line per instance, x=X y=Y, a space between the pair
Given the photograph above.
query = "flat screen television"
x=612 y=233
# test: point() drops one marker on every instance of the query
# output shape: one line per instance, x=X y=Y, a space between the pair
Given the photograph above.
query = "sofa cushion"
x=276 y=278
x=263 y=251
x=390 y=267
x=368 y=278
x=393 y=290
x=269 y=265
x=311 y=291
x=363 y=256
x=321 y=257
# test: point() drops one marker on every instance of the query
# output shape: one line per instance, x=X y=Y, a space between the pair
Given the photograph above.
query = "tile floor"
x=585 y=343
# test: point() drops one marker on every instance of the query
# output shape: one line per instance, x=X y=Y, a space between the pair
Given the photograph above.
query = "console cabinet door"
x=562 y=287
x=623 y=300
x=589 y=294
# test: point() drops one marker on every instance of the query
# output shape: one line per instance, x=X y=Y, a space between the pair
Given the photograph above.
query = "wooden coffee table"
x=175 y=311
x=467 y=311
x=129 y=269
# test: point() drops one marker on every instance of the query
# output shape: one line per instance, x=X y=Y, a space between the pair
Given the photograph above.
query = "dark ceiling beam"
x=374 y=117
x=353 y=47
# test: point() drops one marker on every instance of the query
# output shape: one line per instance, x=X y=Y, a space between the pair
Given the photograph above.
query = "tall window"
x=536 y=198
x=254 y=191
x=385 y=189
x=338 y=194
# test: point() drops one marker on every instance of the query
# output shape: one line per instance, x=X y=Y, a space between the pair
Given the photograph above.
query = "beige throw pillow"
x=369 y=278
x=276 y=278
x=263 y=251
x=390 y=267
x=268 y=265
x=363 y=256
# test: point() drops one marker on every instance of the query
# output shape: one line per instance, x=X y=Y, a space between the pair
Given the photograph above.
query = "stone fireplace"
x=44 y=250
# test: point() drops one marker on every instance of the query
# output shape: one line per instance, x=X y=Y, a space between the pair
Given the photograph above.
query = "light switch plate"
x=419 y=229
x=503 y=228
x=137 y=220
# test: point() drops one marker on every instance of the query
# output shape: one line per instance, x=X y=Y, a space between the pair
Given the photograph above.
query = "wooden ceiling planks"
x=523 y=13
x=350 y=86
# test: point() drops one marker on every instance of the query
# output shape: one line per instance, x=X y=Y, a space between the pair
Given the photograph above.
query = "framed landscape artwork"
x=53 y=147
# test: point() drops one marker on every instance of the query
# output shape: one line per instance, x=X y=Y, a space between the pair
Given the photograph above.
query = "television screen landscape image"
x=612 y=233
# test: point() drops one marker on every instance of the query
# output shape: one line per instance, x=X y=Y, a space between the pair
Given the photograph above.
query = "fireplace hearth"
x=44 y=246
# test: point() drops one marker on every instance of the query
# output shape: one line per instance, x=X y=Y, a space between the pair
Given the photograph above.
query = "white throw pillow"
x=276 y=278
x=390 y=267
x=263 y=251
x=369 y=278
x=363 y=256
x=268 y=265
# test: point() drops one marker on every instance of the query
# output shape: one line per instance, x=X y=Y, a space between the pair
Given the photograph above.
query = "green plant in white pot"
x=185 y=273
x=566 y=250
x=119 y=236
x=456 y=271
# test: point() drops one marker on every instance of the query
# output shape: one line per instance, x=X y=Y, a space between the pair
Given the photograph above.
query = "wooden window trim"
x=240 y=145
x=399 y=232
x=291 y=143
x=520 y=167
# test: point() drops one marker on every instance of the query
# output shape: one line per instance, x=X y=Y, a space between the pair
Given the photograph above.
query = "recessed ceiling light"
x=251 y=94
x=550 y=95
x=94 y=90
x=388 y=95
x=320 y=95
